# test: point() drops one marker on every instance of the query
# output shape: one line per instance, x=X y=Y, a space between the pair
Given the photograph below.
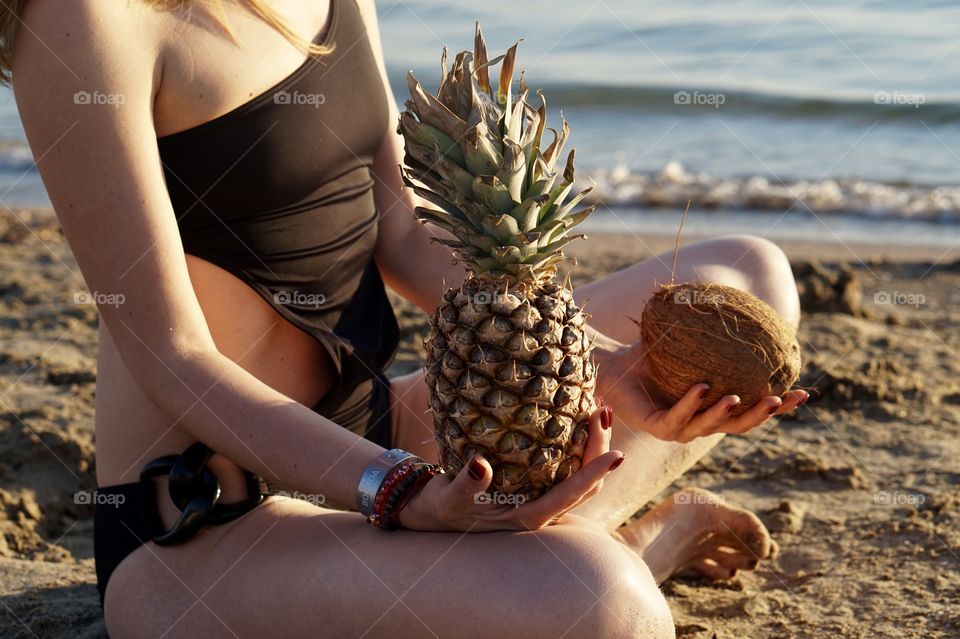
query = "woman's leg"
x=290 y=569
x=745 y=262
x=411 y=422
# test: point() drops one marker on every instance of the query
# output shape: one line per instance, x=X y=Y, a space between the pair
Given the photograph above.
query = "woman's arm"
x=102 y=170
x=411 y=263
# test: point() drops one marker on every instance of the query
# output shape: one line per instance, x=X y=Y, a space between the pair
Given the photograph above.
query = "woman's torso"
x=205 y=77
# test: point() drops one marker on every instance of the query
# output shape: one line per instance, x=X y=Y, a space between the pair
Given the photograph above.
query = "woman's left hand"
x=622 y=382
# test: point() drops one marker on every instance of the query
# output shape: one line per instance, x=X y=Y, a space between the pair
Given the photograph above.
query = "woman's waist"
x=131 y=429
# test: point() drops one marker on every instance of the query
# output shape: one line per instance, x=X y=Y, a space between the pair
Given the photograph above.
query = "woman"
x=245 y=202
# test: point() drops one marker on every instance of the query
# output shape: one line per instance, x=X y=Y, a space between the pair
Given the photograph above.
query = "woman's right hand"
x=452 y=504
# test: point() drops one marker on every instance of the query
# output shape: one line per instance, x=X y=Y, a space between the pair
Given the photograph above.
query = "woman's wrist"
x=389 y=483
x=376 y=473
x=394 y=498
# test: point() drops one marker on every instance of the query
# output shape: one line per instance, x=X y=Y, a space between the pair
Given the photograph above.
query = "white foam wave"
x=673 y=186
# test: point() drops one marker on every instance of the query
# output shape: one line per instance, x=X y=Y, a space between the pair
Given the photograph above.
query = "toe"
x=736 y=560
x=712 y=570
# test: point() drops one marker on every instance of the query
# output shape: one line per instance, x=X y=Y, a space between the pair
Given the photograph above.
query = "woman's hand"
x=623 y=381
x=456 y=504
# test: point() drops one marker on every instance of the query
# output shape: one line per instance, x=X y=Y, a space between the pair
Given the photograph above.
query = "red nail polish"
x=475 y=469
x=732 y=407
x=703 y=392
x=616 y=463
x=774 y=408
x=804 y=400
x=606 y=417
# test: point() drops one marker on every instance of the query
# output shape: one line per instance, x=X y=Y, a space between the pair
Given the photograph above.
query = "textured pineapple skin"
x=511 y=378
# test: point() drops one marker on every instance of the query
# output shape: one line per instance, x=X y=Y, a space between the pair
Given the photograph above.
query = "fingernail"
x=731 y=407
x=774 y=408
x=803 y=401
x=703 y=392
x=475 y=469
x=606 y=417
x=616 y=463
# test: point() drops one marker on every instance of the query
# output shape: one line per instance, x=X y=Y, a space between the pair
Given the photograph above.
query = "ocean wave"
x=15 y=156
x=882 y=106
x=674 y=186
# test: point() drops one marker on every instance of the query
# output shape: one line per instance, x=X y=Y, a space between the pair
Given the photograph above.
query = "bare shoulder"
x=86 y=39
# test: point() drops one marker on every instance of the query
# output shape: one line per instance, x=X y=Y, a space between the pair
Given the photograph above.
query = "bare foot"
x=696 y=533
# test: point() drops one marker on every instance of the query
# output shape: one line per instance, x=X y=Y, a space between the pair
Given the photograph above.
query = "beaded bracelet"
x=371 y=481
x=398 y=488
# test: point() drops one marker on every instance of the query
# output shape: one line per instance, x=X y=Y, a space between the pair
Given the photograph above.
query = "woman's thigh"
x=289 y=569
x=411 y=423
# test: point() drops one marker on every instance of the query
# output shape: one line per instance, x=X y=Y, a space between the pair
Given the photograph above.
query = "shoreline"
x=647 y=244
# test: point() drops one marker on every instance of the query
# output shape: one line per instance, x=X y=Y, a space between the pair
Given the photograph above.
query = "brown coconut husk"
x=697 y=332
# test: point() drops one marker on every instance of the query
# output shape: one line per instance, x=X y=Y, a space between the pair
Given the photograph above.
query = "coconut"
x=709 y=333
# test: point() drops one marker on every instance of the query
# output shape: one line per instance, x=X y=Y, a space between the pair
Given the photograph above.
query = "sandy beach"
x=860 y=487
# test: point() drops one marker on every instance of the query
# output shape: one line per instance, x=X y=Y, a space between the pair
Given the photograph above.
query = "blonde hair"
x=10 y=17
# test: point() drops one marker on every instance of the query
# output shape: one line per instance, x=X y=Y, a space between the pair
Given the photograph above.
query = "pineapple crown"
x=475 y=155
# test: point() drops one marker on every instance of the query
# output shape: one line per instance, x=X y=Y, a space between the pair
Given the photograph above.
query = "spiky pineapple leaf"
x=475 y=153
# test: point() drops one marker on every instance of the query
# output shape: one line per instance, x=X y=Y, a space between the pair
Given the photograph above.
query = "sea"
x=830 y=121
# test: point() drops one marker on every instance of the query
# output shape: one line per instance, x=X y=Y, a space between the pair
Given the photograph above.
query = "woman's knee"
x=611 y=594
x=766 y=272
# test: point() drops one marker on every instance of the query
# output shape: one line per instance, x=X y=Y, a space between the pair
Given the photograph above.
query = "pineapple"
x=508 y=361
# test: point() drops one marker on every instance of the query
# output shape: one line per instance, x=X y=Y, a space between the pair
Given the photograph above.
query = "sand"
x=861 y=487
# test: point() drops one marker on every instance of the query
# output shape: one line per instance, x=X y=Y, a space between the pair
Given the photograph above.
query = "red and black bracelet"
x=398 y=488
